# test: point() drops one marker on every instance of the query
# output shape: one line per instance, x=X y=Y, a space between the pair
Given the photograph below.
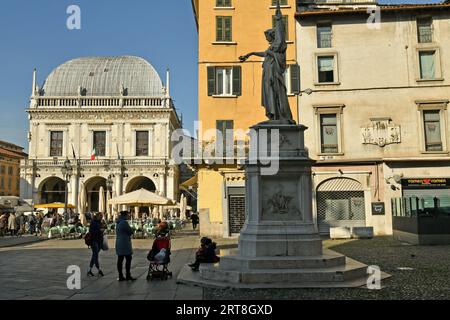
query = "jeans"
x=95 y=251
x=127 y=265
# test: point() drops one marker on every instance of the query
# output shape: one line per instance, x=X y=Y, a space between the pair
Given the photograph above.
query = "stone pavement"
x=38 y=271
x=8 y=241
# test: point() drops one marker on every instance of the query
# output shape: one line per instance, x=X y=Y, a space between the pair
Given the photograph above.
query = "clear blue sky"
x=34 y=34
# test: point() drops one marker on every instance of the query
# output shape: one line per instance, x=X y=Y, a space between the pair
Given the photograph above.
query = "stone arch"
x=92 y=192
x=140 y=182
x=340 y=203
x=52 y=189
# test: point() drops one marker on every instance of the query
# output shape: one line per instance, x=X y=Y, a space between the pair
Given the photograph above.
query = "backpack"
x=88 y=239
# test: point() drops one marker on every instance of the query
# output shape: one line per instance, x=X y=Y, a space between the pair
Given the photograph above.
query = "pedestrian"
x=195 y=220
x=32 y=223
x=40 y=220
x=21 y=224
x=12 y=224
x=3 y=224
x=124 y=249
x=96 y=230
x=205 y=254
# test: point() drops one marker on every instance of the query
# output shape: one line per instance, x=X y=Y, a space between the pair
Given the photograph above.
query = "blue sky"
x=33 y=34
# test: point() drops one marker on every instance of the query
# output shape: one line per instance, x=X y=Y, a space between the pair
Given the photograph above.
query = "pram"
x=158 y=267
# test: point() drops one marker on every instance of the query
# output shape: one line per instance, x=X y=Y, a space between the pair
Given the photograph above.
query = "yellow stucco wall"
x=250 y=19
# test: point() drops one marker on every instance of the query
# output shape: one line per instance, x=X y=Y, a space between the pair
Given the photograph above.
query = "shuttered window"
x=224 y=81
x=282 y=2
x=324 y=36
x=223 y=29
x=223 y=3
x=225 y=129
x=424 y=30
x=285 y=22
x=292 y=79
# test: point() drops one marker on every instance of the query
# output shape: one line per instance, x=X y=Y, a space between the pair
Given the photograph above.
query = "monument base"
x=279 y=245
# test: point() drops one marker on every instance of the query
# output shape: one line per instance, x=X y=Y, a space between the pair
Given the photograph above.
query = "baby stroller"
x=159 y=257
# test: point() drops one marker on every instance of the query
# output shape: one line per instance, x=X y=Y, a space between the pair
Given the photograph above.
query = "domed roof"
x=104 y=76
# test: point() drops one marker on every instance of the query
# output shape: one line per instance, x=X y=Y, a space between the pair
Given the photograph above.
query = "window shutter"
x=219 y=28
x=237 y=82
x=211 y=81
x=295 y=78
x=228 y=36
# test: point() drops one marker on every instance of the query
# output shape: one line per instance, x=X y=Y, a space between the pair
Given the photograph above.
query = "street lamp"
x=67 y=171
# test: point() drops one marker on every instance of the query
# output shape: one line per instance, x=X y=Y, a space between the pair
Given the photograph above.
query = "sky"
x=33 y=34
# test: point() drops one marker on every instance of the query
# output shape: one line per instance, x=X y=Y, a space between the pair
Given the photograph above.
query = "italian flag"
x=93 y=154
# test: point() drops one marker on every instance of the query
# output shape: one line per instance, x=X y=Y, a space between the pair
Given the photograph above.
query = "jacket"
x=123 y=238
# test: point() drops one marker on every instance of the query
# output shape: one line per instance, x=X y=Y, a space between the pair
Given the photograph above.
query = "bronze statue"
x=274 y=95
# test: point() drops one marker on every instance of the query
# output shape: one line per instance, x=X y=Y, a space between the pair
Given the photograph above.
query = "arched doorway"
x=340 y=203
x=92 y=191
x=141 y=183
x=52 y=190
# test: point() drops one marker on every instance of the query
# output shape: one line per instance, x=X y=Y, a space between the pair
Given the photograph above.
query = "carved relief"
x=381 y=132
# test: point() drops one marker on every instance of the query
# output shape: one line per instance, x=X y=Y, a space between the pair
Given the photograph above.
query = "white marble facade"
x=120 y=97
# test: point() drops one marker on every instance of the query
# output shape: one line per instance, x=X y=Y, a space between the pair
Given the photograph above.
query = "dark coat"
x=123 y=238
x=95 y=229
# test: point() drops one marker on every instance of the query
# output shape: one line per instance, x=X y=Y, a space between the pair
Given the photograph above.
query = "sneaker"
x=90 y=274
x=120 y=279
x=100 y=273
x=130 y=278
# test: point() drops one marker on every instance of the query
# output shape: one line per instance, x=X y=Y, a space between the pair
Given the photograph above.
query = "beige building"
x=375 y=84
x=111 y=118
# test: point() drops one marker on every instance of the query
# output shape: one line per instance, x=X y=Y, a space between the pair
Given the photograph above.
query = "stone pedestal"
x=279 y=245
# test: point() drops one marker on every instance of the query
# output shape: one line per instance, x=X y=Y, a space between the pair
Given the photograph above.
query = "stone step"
x=351 y=270
x=236 y=262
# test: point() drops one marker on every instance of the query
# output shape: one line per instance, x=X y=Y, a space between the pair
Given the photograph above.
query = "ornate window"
x=100 y=143
x=432 y=126
x=142 y=143
x=56 y=143
x=329 y=133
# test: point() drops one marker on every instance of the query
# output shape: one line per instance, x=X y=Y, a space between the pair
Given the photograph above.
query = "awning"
x=189 y=183
x=55 y=205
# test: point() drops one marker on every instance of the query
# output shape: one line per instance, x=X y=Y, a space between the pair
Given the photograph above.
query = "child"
x=206 y=254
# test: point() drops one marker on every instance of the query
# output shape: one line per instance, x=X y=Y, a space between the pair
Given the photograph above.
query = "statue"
x=274 y=95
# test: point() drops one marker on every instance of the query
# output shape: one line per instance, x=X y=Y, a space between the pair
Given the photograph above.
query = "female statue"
x=274 y=95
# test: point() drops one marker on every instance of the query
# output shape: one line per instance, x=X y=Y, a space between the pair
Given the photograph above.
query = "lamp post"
x=67 y=171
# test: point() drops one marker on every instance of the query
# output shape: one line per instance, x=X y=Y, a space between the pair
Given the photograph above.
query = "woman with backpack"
x=96 y=242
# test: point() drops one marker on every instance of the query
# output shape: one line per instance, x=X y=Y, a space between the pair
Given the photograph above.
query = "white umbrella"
x=82 y=203
x=108 y=206
x=141 y=198
x=183 y=204
x=114 y=207
x=101 y=200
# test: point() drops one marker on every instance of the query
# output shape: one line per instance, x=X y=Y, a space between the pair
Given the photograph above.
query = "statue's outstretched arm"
x=248 y=55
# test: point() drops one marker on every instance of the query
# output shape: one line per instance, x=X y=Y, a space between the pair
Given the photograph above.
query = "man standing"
x=124 y=249
x=195 y=220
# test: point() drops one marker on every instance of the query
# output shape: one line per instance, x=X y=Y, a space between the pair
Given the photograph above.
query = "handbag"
x=105 y=246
